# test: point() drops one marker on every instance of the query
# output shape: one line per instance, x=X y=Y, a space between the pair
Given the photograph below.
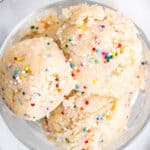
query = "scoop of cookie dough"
x=103 y=48
x=87 y=122
x=33 y=77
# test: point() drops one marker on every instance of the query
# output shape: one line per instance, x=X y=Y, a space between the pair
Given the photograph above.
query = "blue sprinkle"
x=15 y=72
x=72 y=66
x=84 y=129
x=100 y=118
x=97 y=51
x=77 y=87
x=97 y=118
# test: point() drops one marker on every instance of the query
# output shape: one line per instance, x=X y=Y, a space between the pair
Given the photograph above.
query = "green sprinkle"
x=46 y=119
x=46 y=70
x=75 y=106
x=67 y=46
x=82 y=93
x=116 y=54
x=96 y=61
x=48 y=43
x=32 y=27
x=67 y=140
x=69 y=39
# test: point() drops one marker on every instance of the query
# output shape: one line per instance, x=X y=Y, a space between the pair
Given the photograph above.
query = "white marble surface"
x=12 y=11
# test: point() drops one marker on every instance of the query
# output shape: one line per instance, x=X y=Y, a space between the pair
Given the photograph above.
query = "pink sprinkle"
x=81 y=65
x=103 y=53
x=66 y=61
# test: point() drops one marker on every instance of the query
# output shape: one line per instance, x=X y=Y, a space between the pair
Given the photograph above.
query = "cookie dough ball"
x=87 y=122
x=34 y=78
x=103 y=48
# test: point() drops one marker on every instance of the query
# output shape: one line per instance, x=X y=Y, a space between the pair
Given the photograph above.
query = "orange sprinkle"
x=81 y=108
x=105 y=62
x=89 y=130
x=78 y=70
x=59 y=90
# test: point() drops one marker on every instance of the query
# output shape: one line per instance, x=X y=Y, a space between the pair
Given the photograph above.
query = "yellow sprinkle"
x=122 y=50
x=81 y=27
x=27 y=69
x=95 y=81
x=22 y=77
x=108 y=116
x=19 y=59
x=114 y=105
x=113 y=53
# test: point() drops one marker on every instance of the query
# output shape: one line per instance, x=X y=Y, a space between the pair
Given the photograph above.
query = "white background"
x=138 y=10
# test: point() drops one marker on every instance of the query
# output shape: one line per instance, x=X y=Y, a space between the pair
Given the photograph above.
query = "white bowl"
x=31 y=134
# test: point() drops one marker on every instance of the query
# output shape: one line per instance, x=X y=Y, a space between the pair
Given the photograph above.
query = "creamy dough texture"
x=105 y=55
x=87 y=122
x=33 y=77
x=45 y=26
x=84 y=88
x=103 y=48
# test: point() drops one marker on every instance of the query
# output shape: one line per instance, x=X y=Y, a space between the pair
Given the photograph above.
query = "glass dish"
x=31 y=134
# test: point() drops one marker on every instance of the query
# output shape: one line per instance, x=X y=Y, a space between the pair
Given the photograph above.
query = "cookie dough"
x=87 y=122
x=104 y=49
x=33 y=77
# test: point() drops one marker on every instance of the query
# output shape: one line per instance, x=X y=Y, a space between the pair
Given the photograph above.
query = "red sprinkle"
x=72 y=74
x=65 y=96
x=119 y=45
x=94 y=49
x=86 y=141
x=32 y=104
x=84 y=87
x=87 y=102
x=57 y=85
x=15 y=58
x=79 y=36
x=62 y=113
x=83 y=148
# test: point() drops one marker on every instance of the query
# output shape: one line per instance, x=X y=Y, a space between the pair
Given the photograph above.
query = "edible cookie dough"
x=87 y=122
x=33 y=77
x=104 y=49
